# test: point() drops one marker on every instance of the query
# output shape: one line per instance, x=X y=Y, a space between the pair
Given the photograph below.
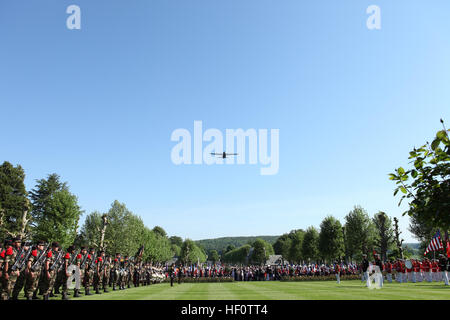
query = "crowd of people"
x=257 y=273
x=47 y=270
x=265 y=273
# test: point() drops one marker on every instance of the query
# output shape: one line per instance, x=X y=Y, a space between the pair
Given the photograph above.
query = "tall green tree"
x=90 y=231
x=310 y=244
x=295 y=249
x=159 y=230
x=191 y=253
x=213 y=256
x=176 y=241
x=261 y=251
x=384 y=238
x=157 y=248
x=360 y=233
x=55 y=211
x=14 y=204
x=124 y=230
x=426 y=186
x=331 y=239
x=282 y=245
x=123 y=233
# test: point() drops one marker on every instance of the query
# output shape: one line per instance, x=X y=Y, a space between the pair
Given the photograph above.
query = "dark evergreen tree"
x=55 y=211
x=14 y=205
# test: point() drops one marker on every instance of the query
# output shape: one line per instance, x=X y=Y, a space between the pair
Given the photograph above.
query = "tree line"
x=359 y=235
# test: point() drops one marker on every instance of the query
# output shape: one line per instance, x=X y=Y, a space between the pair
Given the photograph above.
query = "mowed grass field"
x=274 y=290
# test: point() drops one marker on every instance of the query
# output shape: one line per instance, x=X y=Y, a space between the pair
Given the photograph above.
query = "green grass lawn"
x=274 y=290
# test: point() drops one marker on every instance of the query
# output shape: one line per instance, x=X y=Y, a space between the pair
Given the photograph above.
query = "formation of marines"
x=420 y=270
x=47 y=270
x=402 y=271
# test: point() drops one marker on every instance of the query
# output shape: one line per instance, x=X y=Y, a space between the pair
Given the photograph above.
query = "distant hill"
x=220 y=244
x=414 y=246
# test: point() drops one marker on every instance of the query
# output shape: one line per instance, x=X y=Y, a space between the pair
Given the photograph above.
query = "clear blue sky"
x=98 y=105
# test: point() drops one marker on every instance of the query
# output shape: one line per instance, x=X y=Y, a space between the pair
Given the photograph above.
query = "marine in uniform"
x=365 y=269
x=388 y=269
x=379 y=263
x=443 y=267
x=427 y=270
x=337 y=271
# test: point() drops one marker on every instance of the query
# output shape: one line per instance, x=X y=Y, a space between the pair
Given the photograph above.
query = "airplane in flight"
x=224 y=154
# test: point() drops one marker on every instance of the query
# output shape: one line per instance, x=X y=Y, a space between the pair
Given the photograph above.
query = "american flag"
x=435 y=243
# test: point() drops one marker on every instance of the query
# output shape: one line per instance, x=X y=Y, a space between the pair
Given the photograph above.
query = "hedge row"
x=320 y=278
x=202 y=280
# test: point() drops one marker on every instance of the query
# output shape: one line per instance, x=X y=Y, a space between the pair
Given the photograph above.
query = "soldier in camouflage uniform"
x=89 y=271
x=58 y=281
x=84 y=269
x=2 y=261
x=98 y=276
x=124 y=277
x=106 y=273
x=122 y=274
x=137 y=274
x=111 y=272
x=20 y=282
x=49 y=271
x=32 y=277
x=9 y=277
x=77 y=262
x=130 y=273
x=64 y=272
x=115 y=271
